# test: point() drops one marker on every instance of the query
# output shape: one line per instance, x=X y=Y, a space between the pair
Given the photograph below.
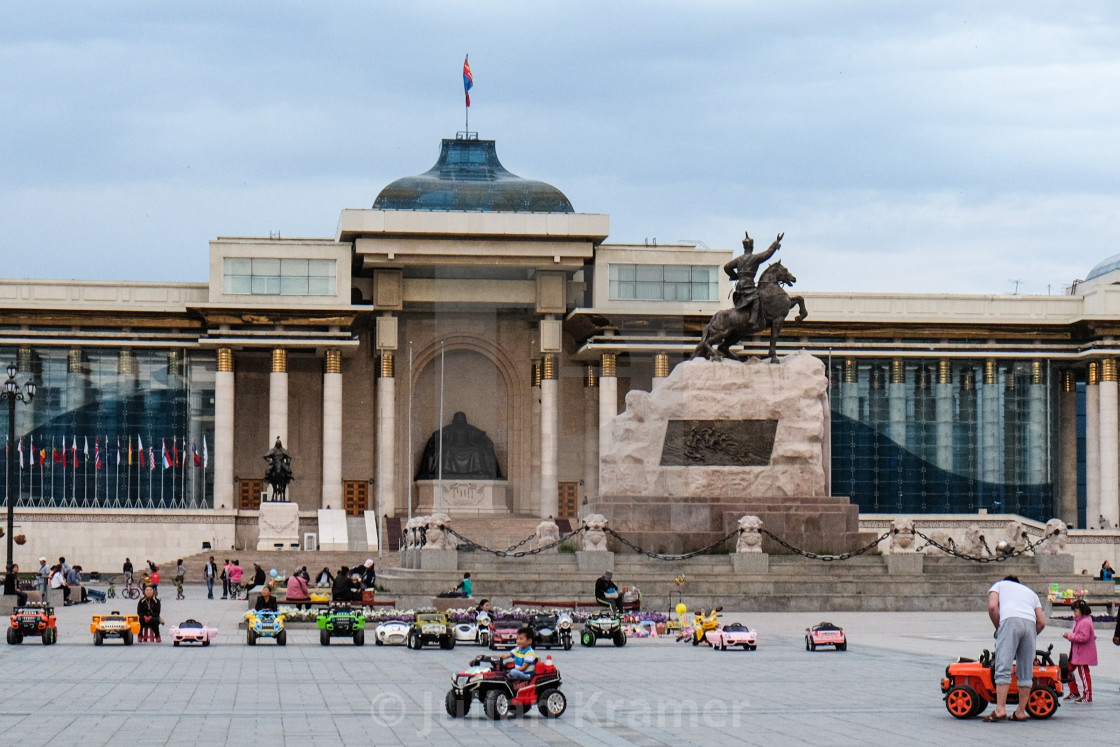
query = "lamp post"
x=12 y=394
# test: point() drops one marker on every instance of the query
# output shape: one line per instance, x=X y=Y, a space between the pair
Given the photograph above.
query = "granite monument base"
x=594 y=562
x=278 y=526
x=905 y=564
x=463 y=497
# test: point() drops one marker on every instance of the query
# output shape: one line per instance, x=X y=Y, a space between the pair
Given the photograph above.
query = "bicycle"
x=131 y=589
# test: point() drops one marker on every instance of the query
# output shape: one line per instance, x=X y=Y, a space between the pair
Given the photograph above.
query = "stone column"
x=278 y=398
x=966 y=458
x=608 y=401
x=991 y=449
x=530 y=503
x=550 y=441
x=591 y=437
x=1038 y=466
x=660 y=368
x=223 y=431
x=943 y=415
x=849 y=390
x=896 y=402
x=386 y=440
x=332 y=430
x=1093 y=446
x=1110 y=458
x=1067 y=449
x=878 y=414
x=77 y=380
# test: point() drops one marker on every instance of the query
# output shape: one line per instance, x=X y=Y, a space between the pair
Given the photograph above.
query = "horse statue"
x=279 y=471
x=729 y=326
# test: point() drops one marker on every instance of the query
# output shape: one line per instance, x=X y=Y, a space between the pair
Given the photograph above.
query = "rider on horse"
x=742 y=269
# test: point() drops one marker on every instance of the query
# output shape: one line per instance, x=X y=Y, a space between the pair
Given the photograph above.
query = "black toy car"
x=552 y=629
x=602 y=625
x=485 y=679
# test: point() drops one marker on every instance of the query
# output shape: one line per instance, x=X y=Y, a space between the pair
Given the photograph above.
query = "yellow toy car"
x=114 y=625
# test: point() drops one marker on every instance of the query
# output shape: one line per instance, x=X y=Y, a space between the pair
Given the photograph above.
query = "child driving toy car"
x=524 y=658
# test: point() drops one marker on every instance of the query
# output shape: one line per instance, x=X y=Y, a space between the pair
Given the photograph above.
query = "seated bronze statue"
x=468 y=453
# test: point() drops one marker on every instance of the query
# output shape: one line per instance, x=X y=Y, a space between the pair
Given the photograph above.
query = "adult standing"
x=126 y=569
x=368 y=574
x=44 y=578
x=210 y=570
x=235 y=574
x=225 y=579
x=180 y=578
x=1016 y=613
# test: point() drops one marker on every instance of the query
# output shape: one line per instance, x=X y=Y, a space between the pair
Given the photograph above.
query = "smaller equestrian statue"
x=755 y=308
x=279 y=471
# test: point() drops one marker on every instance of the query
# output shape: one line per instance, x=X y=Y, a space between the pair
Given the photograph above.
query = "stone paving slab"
x=883 y=690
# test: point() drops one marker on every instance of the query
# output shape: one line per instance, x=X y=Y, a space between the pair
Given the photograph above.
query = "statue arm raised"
x=773 y=248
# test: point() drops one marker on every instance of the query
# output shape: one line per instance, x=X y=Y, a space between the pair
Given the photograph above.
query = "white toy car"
x=473 y=633
x=192 y=631
x=391 y=633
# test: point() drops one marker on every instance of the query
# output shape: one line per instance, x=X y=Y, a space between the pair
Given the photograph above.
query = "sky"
x=948 y=147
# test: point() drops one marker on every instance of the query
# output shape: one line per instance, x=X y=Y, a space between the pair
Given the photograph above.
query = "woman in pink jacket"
x=1083 y=651
x=297 y=591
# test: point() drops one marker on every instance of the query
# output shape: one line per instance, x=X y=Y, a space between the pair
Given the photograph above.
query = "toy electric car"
x=430 y=627
x=391 y=633
x=114 y=625
x=265 y=624
x=503 y=634
x=340 y=621
x=33 y=620
x=732 y=634
x=969 y=688
x=192 y=631
x=552 y=630
x=485 y=679
x=825 y=634
x=602 y=625
x=476 y=632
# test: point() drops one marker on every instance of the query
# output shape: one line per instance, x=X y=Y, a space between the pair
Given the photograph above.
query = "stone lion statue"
x=437 y=536
x=594 y=536
x=970 y=543
x=547 y=533
x=750 y=538
x=1016 y=535
x=1056 y=545
x=903 y=539
x=412 y=531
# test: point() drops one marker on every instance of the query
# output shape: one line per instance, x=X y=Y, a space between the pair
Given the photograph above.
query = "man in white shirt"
x=1016 y=612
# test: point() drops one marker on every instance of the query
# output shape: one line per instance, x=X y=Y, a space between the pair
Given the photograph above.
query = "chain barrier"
x=670 y=556
x=510 y=552
x=996 y=558
x=828 y=558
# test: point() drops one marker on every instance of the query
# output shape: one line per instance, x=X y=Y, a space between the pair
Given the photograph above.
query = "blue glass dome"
x=468 y=176
x=1105 y=267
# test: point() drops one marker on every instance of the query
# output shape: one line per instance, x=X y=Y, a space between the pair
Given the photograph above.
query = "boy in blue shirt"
x=524 y=658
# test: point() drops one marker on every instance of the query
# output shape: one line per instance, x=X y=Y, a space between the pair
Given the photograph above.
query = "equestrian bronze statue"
x=279 y=471
x=755 y=306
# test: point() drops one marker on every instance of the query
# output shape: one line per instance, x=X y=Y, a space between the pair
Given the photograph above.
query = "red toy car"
x=485 y=679
x=825 y=634
x=503 y=634
x=969 y=688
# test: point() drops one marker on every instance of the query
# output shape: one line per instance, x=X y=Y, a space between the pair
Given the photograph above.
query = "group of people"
x=349 y=584
x=61 y=577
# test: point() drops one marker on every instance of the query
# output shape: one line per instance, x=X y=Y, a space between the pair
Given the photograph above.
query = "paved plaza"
x=883 y=690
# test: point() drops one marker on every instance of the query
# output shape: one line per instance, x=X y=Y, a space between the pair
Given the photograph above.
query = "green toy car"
x=341 y=621
x=431 y=627
x=602 y=625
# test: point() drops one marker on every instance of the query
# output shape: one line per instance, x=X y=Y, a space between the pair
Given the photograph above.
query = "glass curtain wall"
x=940 y=436
x=114 y=428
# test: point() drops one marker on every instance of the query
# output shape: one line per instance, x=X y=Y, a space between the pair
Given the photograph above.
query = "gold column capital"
x=225 y=359
x=126 y=363
x=1094 y=373
x=1069 y=382
x=1108 y=369
x=991 y=371
x=548 y=367
x=386 y=363
x=944 y=371
x=332 y=361
x=851 y=371
x=661 y=365
x=1036 y=372
x=535 y=374
x=609 y=365
x=898 y=371
x=279 y=360
x=590 y=381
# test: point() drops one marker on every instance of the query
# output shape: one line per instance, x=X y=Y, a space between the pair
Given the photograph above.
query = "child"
x=1083 y=651
x=524 y=658
x=465 y=586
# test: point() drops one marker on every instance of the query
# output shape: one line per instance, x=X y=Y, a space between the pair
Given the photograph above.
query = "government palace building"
x=467 y=289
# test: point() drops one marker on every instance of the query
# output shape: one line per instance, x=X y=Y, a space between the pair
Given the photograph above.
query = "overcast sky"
x=951 y=147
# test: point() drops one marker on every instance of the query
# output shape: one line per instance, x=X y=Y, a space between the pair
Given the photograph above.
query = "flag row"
x=104 y=454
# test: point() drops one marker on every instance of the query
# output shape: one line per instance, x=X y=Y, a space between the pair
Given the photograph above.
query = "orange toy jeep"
x=969 y=688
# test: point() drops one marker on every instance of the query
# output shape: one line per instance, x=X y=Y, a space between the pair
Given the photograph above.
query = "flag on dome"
x=468 y=79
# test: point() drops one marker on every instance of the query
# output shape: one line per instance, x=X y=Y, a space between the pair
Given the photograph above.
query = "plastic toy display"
x=340 y=621
x=33 y=620
x=969 y=688
x=430 y=627
x=503 y=634
x=391 y=633
x=265 y=624
x=114 y=625
x=703 y=624
x=552 y=629
x=602 y=625
x=476 y=633
x=825 y=634
x=485 y=679
x=732 y=634
x=192 y=631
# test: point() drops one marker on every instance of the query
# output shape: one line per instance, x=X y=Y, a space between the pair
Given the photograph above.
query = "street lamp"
x=12 y=394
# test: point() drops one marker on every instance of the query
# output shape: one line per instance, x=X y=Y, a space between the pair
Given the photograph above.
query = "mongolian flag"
x=468 y=79
x=74 y=451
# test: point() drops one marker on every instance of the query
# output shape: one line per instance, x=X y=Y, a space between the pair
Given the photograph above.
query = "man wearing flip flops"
x=1016 y=612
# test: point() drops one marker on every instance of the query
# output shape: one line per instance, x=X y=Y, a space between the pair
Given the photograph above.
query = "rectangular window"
x=264 y=276
x=663 y=282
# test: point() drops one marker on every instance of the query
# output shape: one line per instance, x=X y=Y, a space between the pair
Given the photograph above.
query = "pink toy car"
x=825 y=634
x=192 y=631
x=732 y=634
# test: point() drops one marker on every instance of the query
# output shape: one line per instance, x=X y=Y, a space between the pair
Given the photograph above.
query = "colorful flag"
x=42 y=457
x=205 y=453
x=175 y=453
x=59 y=458
x=74 y=451
x=151 y=458
x=194 y=450
x=468 y=79
x=96 y=454
x=118 y=451
x=166 y=455
x=140 y=448
x=130 y=451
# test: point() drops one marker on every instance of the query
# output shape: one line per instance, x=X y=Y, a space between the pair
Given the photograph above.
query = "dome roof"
x=468 y=176
x=1104 y=267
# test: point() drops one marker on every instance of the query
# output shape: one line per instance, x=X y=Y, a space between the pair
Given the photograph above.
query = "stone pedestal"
x=905 y=564
x=1056 y=565
x=332 y=529
x=438 y=560
x=372 y=530
x=463 y=497
x=750 y=563
x=594 y=562
x=278 y=524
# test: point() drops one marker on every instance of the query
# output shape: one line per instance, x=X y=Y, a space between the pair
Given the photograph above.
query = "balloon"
x=272 y=573
x=681 y=609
